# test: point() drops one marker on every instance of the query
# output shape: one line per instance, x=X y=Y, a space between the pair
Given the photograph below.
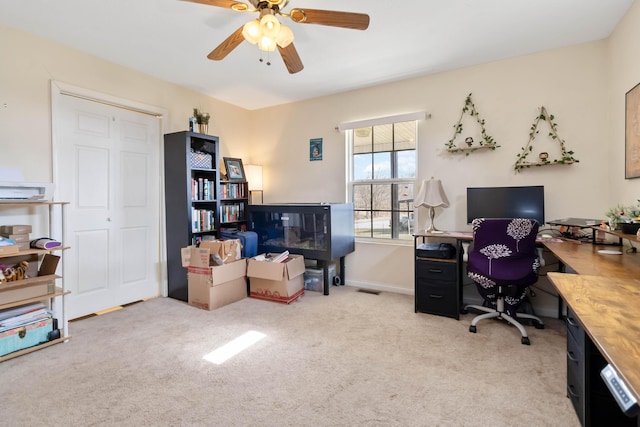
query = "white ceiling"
x=170 y=39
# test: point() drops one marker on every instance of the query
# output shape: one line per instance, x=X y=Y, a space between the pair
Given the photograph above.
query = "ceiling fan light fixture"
x=270 y=26
x=266 y=44
x=252 y=32
x=285 y=36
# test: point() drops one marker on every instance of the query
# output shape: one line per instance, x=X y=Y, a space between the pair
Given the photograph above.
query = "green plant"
x=566 y=156
x=486 y=141
x=201 y=118
x=633 y=212
x=620 y=214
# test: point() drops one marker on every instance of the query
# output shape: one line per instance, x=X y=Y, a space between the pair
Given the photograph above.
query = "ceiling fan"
x=268 y=33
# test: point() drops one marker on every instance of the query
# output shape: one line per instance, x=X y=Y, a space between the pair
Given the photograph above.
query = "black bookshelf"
x=192 y=183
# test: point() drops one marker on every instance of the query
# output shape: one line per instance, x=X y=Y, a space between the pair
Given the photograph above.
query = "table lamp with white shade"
x=431 y=195
x=254 y=179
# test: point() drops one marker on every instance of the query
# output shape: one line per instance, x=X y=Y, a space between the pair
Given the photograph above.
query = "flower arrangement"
x=623 y=214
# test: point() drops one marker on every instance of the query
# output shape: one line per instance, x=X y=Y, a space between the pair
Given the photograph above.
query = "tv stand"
x=320 y=231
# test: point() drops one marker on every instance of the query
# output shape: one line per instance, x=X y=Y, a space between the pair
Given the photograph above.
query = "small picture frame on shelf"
x=235 y=170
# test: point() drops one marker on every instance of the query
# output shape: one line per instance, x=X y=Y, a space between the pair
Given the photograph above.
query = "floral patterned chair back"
x=504 y=254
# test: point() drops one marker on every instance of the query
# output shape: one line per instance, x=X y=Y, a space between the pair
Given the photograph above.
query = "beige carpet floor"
x=347 y=359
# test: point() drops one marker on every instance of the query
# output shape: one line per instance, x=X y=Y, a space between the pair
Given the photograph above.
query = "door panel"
x=108 y=169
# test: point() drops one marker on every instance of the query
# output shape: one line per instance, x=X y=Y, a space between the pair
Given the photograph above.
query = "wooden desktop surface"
x=584 y=258
x=608 y=310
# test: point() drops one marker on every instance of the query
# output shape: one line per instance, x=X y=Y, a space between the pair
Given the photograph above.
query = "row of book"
x=233 y=191
x=232 y=212
x=203 y=220
x=203 y=189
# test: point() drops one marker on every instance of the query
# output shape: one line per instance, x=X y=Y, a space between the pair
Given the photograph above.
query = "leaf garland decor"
x=566 y=156
x=487 y=140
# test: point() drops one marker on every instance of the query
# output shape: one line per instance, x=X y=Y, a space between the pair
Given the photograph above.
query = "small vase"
x=204 y=128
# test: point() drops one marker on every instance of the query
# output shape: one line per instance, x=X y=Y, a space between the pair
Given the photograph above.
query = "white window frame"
x=349 y=128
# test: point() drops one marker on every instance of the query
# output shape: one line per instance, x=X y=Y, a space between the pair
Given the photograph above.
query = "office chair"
x=503 y=263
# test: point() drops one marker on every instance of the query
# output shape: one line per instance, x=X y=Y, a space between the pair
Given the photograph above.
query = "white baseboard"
x=470 y=296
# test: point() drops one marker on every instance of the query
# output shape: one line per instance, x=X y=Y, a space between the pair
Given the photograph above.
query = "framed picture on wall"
x=235 y=170
x=315 y=149
x=632 y=133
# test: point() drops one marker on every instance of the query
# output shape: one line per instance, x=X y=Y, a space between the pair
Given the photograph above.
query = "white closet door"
x=108 y=169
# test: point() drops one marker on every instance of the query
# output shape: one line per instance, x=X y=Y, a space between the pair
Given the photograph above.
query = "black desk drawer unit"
x=589 y=395
x=575 y=366
x=436 y=288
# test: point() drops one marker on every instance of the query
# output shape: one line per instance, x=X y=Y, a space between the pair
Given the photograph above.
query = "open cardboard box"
x=211 y=287
x=14 y=291
x=279 y=282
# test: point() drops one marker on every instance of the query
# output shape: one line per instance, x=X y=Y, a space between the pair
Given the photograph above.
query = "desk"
x=620 y=235
x=603 y=298
x=608 y=331
x=584 y=258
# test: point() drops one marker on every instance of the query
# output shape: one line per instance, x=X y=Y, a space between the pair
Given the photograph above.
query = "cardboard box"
x=8 y=250
x=15 y=229
x=18 y=238
x=228 y=250
x=211 y=287
x=217 y=286
x=13 y=261
x=279 y=282
x=9 y=293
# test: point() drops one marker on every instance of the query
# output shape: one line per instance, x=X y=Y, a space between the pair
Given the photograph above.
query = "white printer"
x=25 y=192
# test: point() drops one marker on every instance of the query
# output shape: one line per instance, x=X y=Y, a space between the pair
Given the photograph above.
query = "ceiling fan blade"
x=291 y=58
x=355 y=21
x=229 y=4
x=227 y=46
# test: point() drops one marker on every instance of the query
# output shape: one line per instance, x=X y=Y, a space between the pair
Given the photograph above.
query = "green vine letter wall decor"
x=486 y=141
x=566 y=156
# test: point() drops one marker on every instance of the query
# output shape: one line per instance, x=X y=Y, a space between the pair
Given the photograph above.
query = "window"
x=382 y=175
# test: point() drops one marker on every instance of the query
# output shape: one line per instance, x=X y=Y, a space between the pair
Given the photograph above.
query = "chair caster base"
x=472 y=329
x=538 y=325
x=525 y=341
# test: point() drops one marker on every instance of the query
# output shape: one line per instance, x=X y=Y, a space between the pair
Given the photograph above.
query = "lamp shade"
x=254 y=177
x=252 y=32
x=431 y=194
x=270 y=26
x=285 y=36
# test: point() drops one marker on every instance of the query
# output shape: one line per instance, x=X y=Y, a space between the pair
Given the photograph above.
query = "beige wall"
x=30 y=63
x=624 y=71
x=583 y=86
x=571 y=83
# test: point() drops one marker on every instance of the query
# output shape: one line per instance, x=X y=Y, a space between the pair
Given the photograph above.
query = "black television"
x=506 y=202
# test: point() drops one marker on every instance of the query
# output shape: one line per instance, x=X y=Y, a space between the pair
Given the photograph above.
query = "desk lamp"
x=431 y=195
x=254 y=178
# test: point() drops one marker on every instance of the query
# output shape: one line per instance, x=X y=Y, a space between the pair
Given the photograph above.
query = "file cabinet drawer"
x=434 y=270
x=437 y=297
x=574 y=329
